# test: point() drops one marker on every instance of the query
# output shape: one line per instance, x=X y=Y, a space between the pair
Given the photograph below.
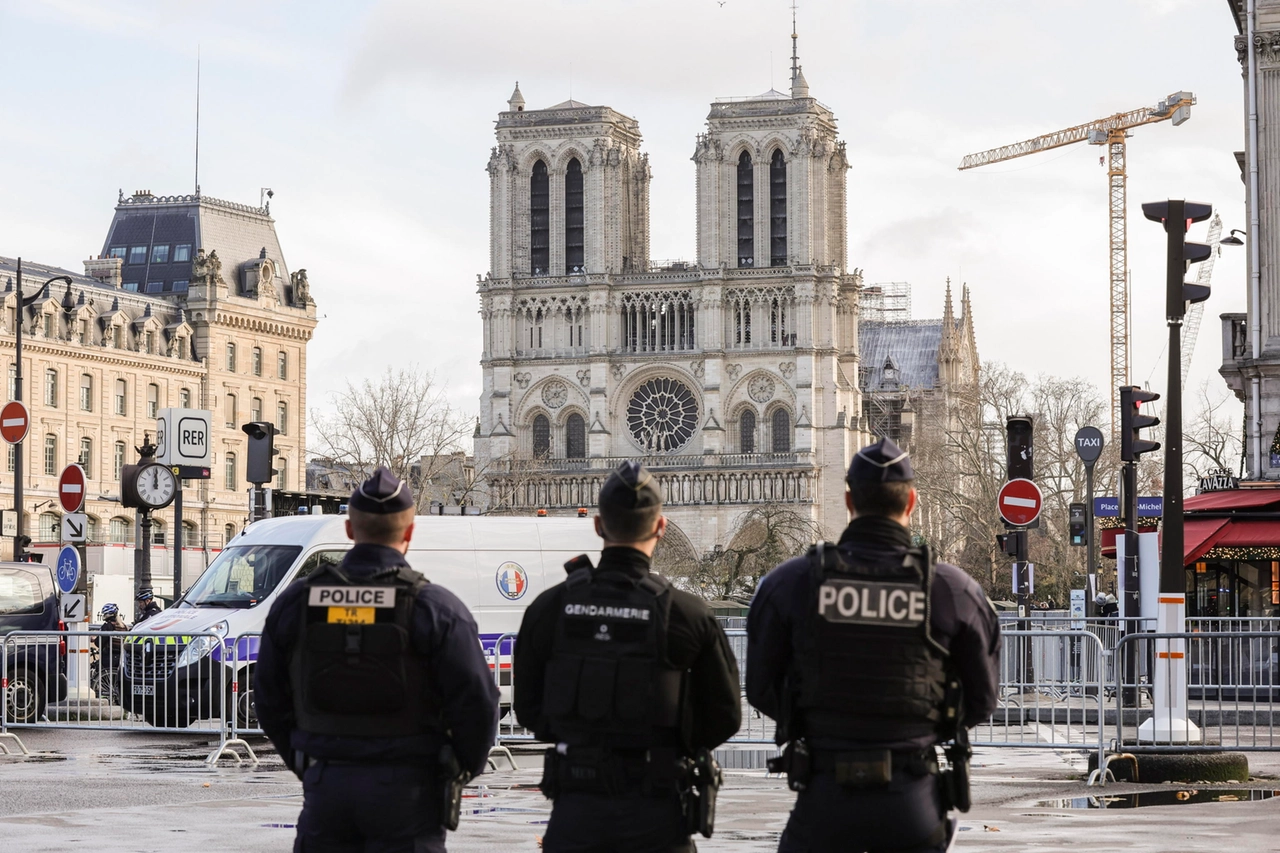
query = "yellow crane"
x=1111 y=132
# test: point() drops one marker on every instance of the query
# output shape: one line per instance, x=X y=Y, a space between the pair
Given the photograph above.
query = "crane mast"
x=1111 y=132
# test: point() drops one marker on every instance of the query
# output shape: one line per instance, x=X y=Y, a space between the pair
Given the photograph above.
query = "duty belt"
x=873 y=767
x=606 y=771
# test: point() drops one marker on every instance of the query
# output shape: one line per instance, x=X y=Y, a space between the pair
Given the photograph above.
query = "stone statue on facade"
x=301 y=290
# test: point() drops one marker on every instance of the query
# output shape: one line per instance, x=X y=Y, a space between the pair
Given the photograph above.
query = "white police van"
x=495 y=565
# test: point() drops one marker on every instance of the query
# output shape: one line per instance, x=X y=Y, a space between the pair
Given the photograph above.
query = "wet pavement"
x=146 y=791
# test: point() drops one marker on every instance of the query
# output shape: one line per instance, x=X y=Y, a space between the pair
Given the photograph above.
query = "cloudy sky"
x=372 y=121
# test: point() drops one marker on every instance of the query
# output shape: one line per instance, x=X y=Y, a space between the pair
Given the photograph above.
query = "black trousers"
x=626 y=823
x=365 y=808
x=905 y=817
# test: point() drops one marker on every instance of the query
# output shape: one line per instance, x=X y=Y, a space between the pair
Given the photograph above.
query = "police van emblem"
x=866 y=603
x=512 y=580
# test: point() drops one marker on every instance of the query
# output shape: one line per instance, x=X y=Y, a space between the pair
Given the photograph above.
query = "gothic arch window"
x=657 y=321
x=539 y=220
x=780 y=430
x=573 y=218
x=746 y=212
x=662 y=415
x=747 y=431
x=575 y=437
x=777 y=210
x=541 y=437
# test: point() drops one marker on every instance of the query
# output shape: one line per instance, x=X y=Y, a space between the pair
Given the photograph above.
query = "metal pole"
x=1131 y=601
x=142 y=579
x=178 y=536
x=1091 y=570
x=17 y=448
x=1172 y=572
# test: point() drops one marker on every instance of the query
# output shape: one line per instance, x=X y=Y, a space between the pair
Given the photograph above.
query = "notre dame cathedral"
x=734 y=378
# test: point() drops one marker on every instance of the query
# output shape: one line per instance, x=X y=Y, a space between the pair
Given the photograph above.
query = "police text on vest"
x=868 y=603
x=352 y=596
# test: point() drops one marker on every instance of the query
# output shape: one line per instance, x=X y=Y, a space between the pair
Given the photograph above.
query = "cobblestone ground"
x=153 y=792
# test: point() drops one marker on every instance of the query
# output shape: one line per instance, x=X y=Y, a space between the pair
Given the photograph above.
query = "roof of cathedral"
x=908 y=346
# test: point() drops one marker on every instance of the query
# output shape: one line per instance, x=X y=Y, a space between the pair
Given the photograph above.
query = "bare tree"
x=403 y=421
x=1211 y=438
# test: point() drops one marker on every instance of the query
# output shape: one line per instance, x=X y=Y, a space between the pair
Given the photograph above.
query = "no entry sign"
x=14 y=422
x=1019 y=502
x=71 y=488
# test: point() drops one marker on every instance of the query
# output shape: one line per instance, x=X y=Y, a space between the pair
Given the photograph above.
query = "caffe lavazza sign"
x=1220 y=480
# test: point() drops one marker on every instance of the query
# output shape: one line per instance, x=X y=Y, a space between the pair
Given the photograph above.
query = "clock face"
x=156 y=485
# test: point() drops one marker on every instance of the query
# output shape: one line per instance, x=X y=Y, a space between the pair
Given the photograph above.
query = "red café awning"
x=1233 y=499
x=1239 y=530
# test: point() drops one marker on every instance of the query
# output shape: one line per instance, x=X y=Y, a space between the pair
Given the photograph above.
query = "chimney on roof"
x=105 y=270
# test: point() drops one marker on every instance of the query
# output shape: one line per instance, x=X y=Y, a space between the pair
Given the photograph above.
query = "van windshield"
x=242 y=576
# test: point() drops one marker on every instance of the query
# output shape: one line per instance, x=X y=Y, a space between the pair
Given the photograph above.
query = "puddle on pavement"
x=1180 y=797
x=503 y=810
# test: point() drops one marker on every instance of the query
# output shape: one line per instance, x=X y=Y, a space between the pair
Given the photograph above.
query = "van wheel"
x=25 y=702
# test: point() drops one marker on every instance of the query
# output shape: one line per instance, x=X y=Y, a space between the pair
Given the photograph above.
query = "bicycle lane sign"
x=68 y=568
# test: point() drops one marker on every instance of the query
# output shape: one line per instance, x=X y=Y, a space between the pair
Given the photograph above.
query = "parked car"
x=35 y=666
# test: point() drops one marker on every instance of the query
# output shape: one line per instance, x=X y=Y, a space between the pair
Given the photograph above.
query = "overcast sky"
x=372 y=121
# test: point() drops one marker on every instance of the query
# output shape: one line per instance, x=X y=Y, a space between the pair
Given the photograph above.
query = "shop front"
x=1232 y=553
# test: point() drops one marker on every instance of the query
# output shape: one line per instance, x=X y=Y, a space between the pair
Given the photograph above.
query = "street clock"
x=149 y=486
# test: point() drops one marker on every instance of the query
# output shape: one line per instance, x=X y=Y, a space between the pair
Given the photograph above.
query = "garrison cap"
x=882 y=462
x=629 y=487
x=382 y=494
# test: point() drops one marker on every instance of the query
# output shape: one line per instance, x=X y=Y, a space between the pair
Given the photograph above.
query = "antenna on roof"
x=197 y=119
x=795 y=57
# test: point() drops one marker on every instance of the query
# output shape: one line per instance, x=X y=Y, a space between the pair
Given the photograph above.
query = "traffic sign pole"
x=1089 y=444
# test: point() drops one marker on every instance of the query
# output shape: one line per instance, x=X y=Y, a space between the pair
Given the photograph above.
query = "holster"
x=698 y=799
x=549 y=785
x=954 y=781
x=796 y=762
x=455 y=779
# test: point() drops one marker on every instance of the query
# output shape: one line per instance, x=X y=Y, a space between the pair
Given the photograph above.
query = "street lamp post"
x=22 y=303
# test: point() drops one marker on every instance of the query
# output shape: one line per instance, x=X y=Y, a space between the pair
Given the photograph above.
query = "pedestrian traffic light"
x=1076 y=524
x=1177 y=215
x=1132 y=444
x=258 y=468
x=1009 y=543
x=1019 y=447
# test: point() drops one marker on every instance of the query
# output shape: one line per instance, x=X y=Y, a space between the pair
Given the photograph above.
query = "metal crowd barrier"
x=114 y=682
x=1225 y=683
x=238 y=655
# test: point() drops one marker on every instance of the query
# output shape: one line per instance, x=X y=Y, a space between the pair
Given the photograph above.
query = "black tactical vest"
x=867 y=668
x=355 y=670
x=607 y=682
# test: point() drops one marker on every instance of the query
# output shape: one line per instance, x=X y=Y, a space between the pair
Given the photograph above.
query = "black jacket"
x=443 y=630
x=962 y=621
x=712 y=709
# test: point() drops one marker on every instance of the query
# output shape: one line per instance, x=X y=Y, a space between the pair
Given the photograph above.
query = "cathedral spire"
x=516 y=101
x=799 y=86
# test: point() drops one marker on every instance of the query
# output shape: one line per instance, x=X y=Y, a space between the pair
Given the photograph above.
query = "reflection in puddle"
x=1161 y=798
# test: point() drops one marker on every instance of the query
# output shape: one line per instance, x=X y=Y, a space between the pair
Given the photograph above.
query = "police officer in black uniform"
x=633 y=681
x=868 y=654
x=371 y=683
x=146 y=604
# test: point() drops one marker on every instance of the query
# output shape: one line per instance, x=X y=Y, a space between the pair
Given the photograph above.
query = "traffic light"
x=1076 y=524
x=1009 y=543
x=1177 y=215
x=1019 y=447
x=258 y=463
x=1132 y=444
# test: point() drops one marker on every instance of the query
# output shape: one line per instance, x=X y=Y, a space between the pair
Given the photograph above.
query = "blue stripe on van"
x=489 y=642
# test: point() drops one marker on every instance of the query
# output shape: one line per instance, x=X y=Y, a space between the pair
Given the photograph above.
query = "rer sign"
x=182 y=437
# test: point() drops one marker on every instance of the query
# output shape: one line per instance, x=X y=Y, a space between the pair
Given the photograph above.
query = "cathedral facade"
x=734 y=378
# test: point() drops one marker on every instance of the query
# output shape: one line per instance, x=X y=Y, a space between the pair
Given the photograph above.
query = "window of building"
x=747 y=431
x=257 y=361
x=573 y=218
x=13 y=381
x=138 y=255
x=86 y=392
x=182 y=253
x=539 y=220
x=51 y=388
x=777 y=210
x=781 y=430
x=575 y=437
x=91 y=531
x=230 y=472
x=120 y=530
x=117 y=252
x=117 y=336
x=229 y=406
x=282 y=365
x=180 y=286
x=228 y=533
x=541 y=437
x=83 y=332
x=153 y=400
x=157 y=532
x=122 y=397
x=117 y=460
x=658 y=321
x=86 y=457
x=51 y=455
x=231 y=358
x=746 y=212
x=149 y=341
x=255 y=409
x=48 y=325
x=155 y=287
x=282 y=472
x=131 y=286
x=50 y=527
x=13 y=458
x=184 y=398
x=160 y=254
x=190 y=535
x=282 y=418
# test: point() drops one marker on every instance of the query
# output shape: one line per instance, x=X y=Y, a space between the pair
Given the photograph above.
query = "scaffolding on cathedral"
x=885 y=302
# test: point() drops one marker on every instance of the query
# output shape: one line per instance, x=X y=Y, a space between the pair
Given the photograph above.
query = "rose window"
x=662 y=415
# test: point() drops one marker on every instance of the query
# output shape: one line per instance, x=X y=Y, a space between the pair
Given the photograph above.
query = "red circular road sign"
x=14 y=422
x=1019 y=502
x=71 y=488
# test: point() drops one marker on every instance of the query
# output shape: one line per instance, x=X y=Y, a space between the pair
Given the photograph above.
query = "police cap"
x=382 y=494
x=630 y=487
x=882 y=462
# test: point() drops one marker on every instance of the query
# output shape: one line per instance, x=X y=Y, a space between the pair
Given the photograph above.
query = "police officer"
x=866 y=652
x=371 y=683
x=633 y=681
x=146 y=604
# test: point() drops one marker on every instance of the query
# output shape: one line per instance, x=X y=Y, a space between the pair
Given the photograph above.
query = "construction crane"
x=1191 y=324
x=1111 y=132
